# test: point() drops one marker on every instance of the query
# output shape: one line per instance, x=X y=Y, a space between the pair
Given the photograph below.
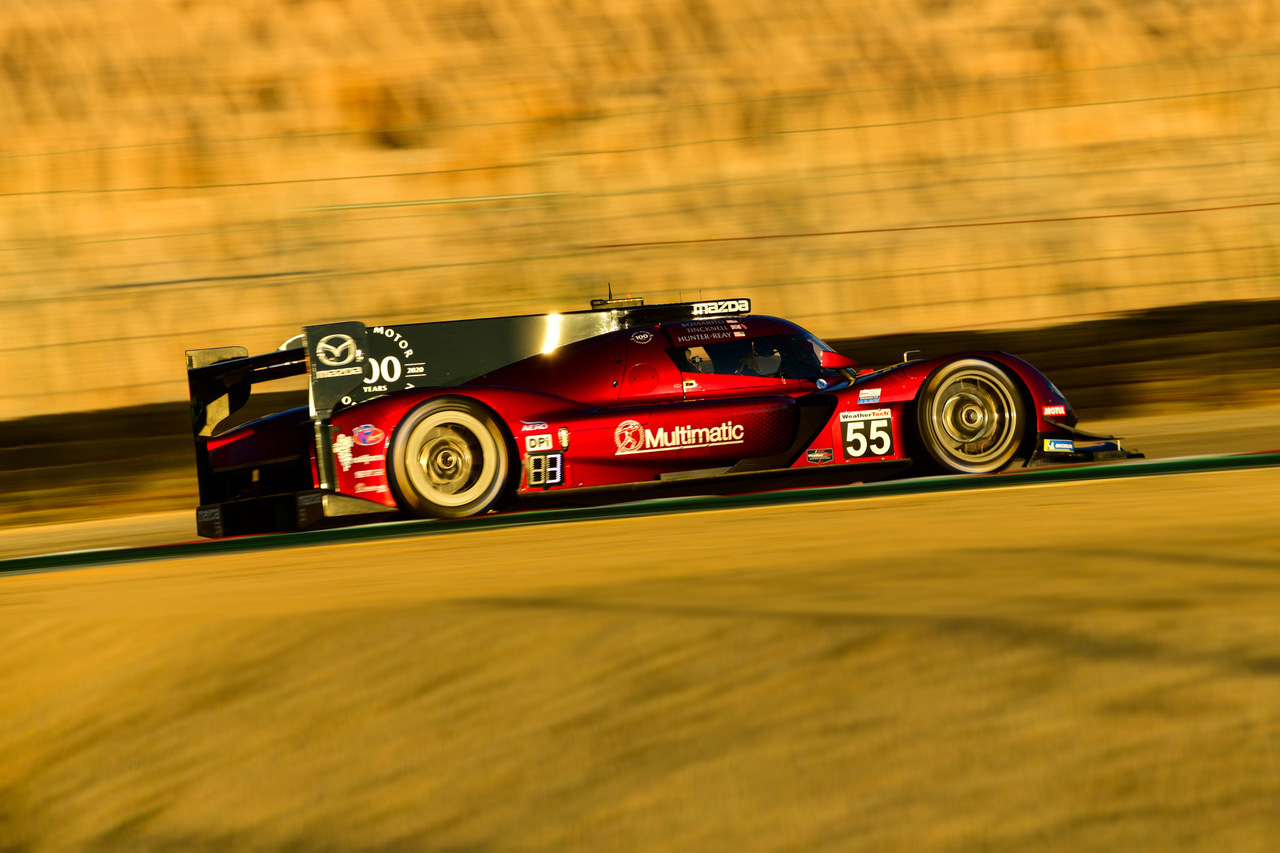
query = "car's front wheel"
x=971 y=417
x=449 y=459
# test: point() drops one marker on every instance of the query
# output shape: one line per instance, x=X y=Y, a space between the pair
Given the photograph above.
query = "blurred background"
x=178 y=174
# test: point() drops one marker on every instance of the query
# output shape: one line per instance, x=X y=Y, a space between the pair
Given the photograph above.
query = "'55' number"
x=868 y=437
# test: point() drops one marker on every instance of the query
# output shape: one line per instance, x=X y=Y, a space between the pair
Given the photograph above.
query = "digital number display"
x=544 y=470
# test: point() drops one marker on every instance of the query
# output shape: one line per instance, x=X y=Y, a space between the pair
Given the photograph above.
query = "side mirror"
x=835 y=361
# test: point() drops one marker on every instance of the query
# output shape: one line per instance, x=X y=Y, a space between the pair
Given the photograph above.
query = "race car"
x=459 y=418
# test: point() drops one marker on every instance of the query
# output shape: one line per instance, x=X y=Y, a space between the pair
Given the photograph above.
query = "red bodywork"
x=632 y=407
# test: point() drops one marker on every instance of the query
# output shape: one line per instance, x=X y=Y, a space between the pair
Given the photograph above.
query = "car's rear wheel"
x=971 y=417
x=449 y=459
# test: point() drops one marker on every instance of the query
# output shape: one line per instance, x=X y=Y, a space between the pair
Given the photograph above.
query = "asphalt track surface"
x=1000 y=662
x=1185 y=442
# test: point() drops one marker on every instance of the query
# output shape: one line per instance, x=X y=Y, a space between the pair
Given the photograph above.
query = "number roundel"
x=867 y=434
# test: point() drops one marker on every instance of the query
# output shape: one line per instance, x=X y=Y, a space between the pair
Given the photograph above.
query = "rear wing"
x=220 y=380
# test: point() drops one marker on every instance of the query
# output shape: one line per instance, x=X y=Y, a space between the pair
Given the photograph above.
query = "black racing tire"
x=971 y=417
x=449 y=458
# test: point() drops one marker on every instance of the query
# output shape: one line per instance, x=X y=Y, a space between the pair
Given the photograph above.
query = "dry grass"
x=1071 y=667
x=183 y=173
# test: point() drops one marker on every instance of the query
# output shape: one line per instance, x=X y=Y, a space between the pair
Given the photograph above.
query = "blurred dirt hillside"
x=188 y=173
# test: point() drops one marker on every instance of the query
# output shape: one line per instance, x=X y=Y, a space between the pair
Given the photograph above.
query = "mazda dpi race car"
x=454 y=419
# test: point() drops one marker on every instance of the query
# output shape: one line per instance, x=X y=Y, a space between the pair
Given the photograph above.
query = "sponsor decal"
x=366 y=458
x=723 y=306
x=1055 y=411
x=629 y=436
x=632 y=437
x=365 y=487
x=535 y=443
x=344 y=371
x=867 y=433
x=643 y=336
x=845 y=417
x=368 y=472
x=706 y=331
x=868 y=395
x=393 y=336
x=366 y=435
x=309 y=509
x=820 y=456
x=211 y=519
x=533 y=426
x=691 y=385
x=563 y=435
x=342 y=445
x=1059 y=445
x=337 y=350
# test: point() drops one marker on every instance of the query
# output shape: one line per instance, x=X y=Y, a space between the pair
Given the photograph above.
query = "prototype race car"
x=454 y=419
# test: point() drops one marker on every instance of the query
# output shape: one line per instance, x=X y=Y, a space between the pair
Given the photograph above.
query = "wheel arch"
x=407 y=422
x=1020 y=374
x=445 y=396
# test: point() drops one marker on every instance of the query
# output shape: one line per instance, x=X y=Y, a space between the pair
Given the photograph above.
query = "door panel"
x=650 y=375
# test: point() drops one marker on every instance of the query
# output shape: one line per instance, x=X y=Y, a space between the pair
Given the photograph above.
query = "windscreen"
x=781 y=356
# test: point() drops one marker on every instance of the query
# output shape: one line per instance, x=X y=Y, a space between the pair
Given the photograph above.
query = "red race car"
x=458 y=418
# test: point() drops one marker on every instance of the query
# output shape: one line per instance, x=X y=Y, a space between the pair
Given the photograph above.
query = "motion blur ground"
x=1076 y=666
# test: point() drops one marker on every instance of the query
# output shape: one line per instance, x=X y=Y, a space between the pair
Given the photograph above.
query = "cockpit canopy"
x=747 y=346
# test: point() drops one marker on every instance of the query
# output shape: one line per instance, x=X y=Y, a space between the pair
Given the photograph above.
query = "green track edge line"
x=659 y=506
